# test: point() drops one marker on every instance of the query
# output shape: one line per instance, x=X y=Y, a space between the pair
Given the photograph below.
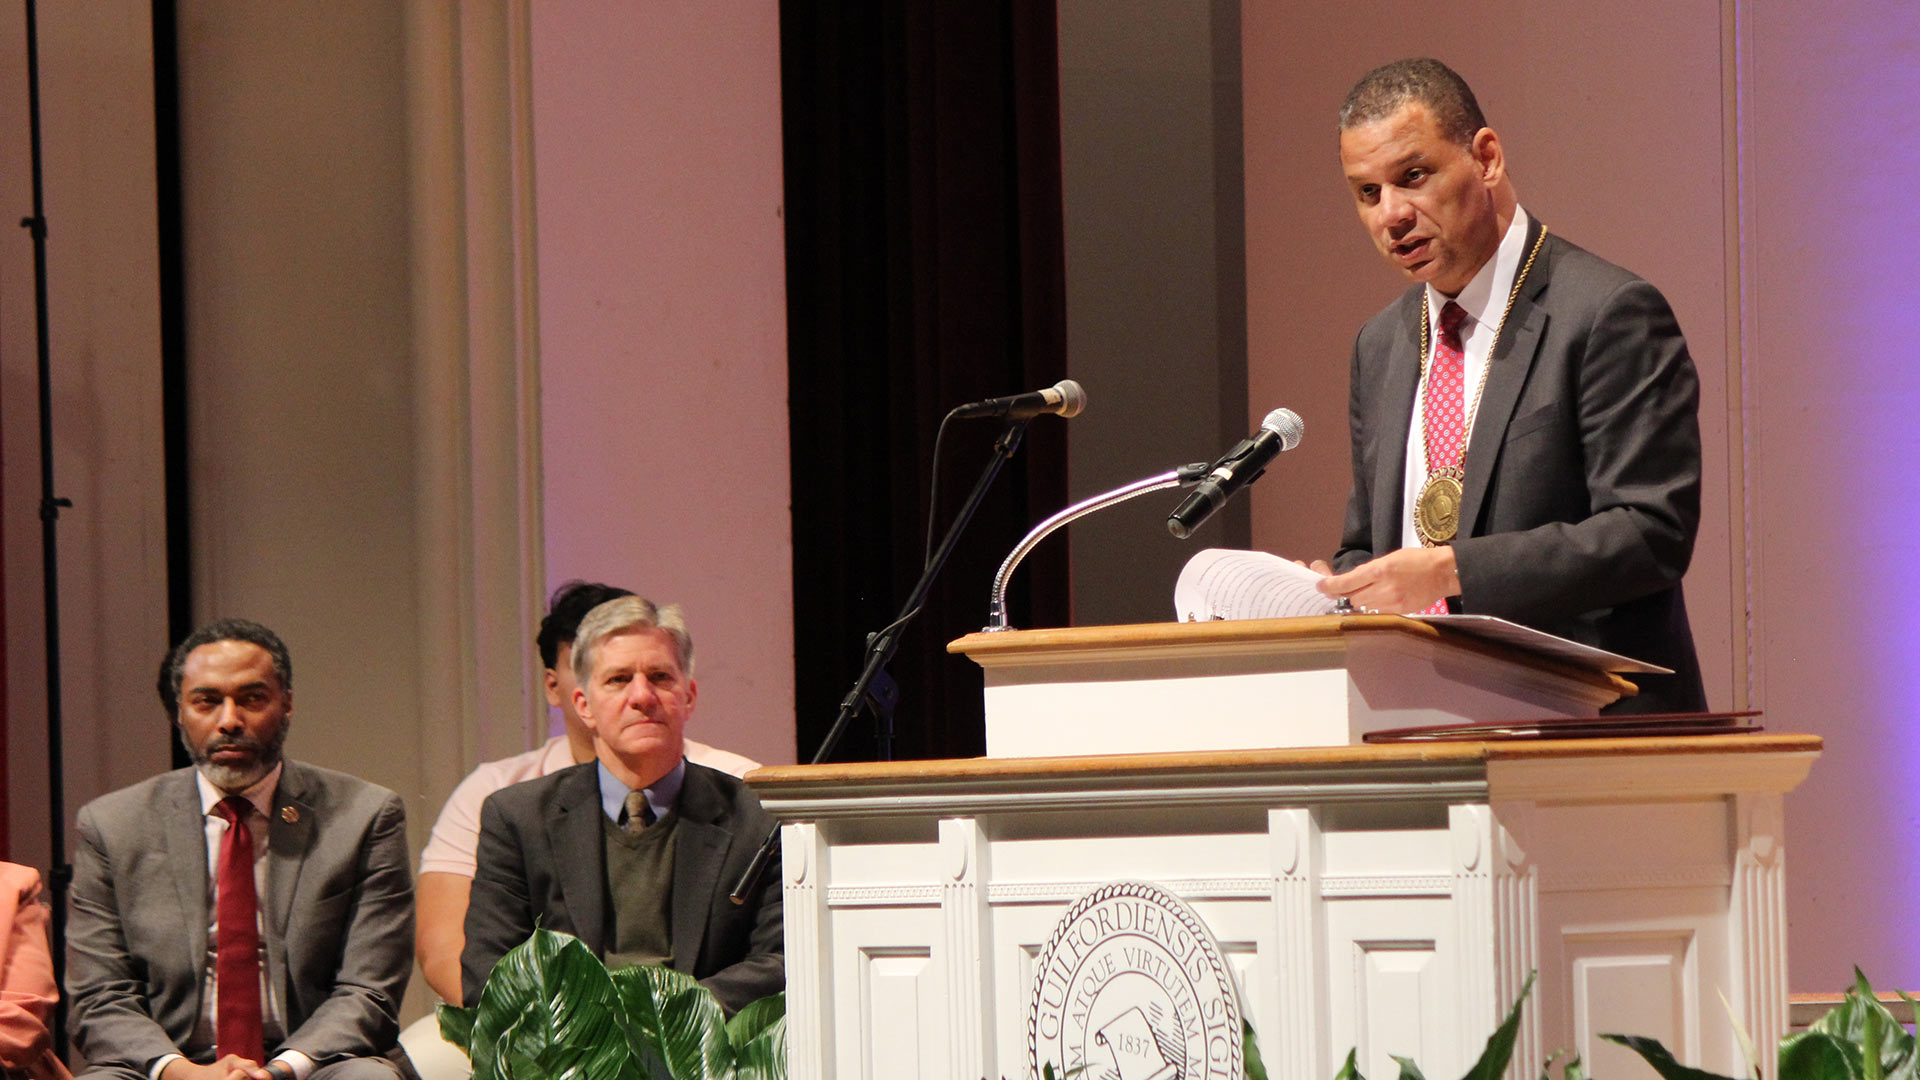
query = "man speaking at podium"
x=1524 y=418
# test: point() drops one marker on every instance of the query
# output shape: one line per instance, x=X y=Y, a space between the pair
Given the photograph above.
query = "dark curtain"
x=924 y=270
x=173 y=332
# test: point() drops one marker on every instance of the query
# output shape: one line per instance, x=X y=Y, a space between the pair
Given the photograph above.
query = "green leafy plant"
x=1859 y=1039
x=552 y=1010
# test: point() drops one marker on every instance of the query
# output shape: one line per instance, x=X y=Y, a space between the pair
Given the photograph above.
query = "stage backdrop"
x=1742 y=154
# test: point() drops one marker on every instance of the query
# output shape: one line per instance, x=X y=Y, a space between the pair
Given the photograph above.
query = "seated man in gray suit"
x=636 y=851
x=247 y=905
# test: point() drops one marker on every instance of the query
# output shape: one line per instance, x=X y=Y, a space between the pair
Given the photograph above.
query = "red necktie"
x=1443 y=409
x=236 y=966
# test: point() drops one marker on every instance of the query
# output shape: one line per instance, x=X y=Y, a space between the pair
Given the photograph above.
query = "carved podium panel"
x=1391 y=898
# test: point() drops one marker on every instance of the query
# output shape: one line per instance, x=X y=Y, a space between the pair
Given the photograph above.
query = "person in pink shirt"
x=27 y=992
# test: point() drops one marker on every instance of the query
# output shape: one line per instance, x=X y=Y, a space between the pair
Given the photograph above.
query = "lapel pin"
x=289 y=815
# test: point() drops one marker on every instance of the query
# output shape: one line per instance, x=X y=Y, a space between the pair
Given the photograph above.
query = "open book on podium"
x=1259 y=659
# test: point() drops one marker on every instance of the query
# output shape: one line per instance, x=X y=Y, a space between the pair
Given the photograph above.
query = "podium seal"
x=1131 y=986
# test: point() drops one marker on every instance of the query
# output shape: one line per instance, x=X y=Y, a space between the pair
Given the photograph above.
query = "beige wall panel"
x=663 y=333
x=96 y=84
x=1148 y=311
x=1834 y=367
x=301 y=416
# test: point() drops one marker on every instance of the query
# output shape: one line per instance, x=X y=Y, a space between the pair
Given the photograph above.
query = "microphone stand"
x=875 y=688
x=997 y=606
x=60 y=873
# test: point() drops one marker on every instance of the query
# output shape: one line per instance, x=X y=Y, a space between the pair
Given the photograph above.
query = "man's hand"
x=1399 y=582
x=231 y=1067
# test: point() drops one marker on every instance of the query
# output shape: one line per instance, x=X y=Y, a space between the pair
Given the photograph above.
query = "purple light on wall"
x=1833 y=378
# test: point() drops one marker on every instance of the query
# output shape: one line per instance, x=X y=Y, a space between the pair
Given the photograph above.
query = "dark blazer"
x=1582 y=495
x=542 y=859
x=339 y=917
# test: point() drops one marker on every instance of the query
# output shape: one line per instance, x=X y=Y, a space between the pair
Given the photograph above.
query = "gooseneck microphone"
x=1064 y=398
x=1242 y=465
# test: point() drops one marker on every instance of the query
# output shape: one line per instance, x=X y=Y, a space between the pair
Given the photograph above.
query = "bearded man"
x=245 y=906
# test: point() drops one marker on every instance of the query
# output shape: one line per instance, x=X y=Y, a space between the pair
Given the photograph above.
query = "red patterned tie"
x=1443 y=410
x=236 y=967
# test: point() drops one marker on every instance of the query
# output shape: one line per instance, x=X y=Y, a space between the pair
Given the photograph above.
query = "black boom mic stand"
x=60 y=874
x=874 y=688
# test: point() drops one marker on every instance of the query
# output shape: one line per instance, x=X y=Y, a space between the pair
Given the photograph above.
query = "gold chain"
x=1426 y=357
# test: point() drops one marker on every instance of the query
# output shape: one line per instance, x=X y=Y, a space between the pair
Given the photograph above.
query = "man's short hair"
x=165 y=684
x=224 y=630
x=1387 y=89
x=626 y=615
x=569 y=604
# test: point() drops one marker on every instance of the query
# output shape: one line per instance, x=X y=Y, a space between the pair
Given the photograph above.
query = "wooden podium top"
x=1557 y=770
x=1303 y=634
x=1208 y=760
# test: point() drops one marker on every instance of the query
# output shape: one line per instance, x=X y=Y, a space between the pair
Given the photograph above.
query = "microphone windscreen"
x=1287 y=424
x=1072 y=397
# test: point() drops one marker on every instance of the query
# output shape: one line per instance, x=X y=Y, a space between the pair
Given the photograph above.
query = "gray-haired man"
x=635 y=851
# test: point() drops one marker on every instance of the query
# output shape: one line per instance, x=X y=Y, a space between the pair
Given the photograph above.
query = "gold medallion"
x=1436 y=513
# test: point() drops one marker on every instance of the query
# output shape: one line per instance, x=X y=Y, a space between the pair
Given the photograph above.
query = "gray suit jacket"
x=1582 y=492
x=338 y=919
x=542 y=859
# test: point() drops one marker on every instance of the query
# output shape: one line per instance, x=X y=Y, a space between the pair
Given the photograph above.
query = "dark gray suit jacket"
x=542 y=858
x=339 y=917
x=1583 y=475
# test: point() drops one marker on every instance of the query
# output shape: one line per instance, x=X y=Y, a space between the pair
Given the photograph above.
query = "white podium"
x=1391 y=898
x=1387 y=897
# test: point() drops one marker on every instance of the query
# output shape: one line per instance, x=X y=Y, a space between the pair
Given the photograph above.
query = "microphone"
x=1280 y=431
x=1064 y=398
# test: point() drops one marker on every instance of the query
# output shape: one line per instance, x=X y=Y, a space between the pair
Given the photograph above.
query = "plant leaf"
x=549 y=1009
x=1869 y=1034
x=1907 y=1067
x=1499 y=1048
x=456 y=1025
x=505 y=1060
x=764 y=1055
x=756 y=1017
x=1819 y=1055
x=1350 y=1070
x=1873 y=1037
x=1748 y=1051
x=1256 y=1068
x=759 y=1037
x=1408 y=1070
x=1662 y=1059
x=674 y=1022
